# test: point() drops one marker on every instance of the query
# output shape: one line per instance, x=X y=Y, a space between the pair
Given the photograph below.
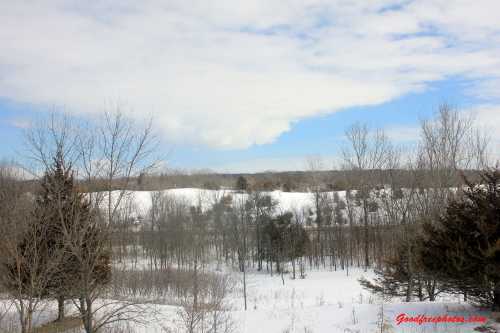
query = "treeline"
x=286 y=181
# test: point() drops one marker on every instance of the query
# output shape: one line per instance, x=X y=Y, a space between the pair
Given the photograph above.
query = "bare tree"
x=241 y=232
x=450 y=144
x=451 y=141
x=212 y=312
x=320 y=200
x=367 y=152
x=219 y=289
x=113 y=153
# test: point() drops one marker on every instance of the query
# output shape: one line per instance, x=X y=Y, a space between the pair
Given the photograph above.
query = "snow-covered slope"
x=287 y=201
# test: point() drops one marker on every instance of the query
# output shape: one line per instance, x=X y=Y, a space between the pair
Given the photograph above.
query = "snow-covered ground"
x=323 y=302
x=333 y=302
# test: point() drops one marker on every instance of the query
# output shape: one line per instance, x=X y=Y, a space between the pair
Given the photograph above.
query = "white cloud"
x=488 y=120
x=232 y=74
x=20 y=123
x=277 y=164
x=403 y=134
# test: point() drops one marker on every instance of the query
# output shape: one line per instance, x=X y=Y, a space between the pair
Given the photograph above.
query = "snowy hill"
x=286 y=201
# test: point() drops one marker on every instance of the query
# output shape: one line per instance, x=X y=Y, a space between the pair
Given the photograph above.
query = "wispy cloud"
x=488 y=119
x=20 y=123
x=232 y=74
x=403 y=134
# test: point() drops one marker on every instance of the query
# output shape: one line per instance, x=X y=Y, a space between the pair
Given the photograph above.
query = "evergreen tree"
x=463 y=248
x=402 y=275
x=241 y=184
x=53 y=205
x=66 y=213
x=285 y=240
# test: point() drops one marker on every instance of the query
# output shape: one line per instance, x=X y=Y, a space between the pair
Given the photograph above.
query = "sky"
x=246 y=86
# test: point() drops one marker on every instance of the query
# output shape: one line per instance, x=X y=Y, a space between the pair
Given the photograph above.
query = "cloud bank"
x=232 y=74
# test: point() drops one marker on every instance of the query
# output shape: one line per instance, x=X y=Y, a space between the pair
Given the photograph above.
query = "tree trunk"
x=22 y=317
x=282 y=272
x=245 y=287
x=60 y=308
x=496 y=298
x=432 y=290
x=88 y=317
x=29 y=325
x=366 y=235
x=409 y=290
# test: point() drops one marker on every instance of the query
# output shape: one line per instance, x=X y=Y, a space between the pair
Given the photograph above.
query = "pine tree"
x=285 y=240
x=241 y=183
x=65 y=213
x=463 y=248
x=53 y=203
x=402 y=275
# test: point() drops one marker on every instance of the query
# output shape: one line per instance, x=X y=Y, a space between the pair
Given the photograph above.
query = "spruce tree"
x=402 y=275
x=241 y=183
x=54 y=206
x=66 y=214
x=462 y=249
x=285 y=240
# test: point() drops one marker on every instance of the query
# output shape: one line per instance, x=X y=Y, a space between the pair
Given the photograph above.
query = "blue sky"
x=255 y=86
